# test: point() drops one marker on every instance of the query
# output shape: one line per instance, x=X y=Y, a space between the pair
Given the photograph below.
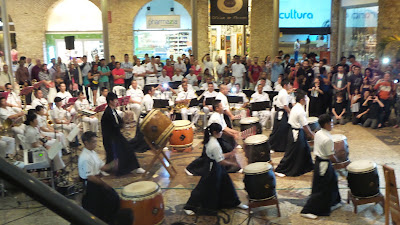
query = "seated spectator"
x=375 y=107
x=339 y=110
x=362 y=114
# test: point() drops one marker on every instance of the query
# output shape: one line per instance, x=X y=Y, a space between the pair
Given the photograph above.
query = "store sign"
x=305 y=13
x=165 y=21
x=362 y=17
x=229 y=12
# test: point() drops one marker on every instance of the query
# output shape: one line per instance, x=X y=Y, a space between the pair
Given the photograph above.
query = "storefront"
x=162 y=28
x=88 y=34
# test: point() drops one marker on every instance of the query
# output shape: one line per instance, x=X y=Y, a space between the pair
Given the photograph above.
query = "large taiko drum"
x=259 y=181
x=250 y=122
x=182 y=135
x=313 y=124
x=341 y=147
x=363 y=179
x=145 y=200
x=157 y=128
x=257 y=148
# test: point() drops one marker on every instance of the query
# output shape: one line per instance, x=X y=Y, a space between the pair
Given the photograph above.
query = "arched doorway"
x=84 y=23
x=162 y=28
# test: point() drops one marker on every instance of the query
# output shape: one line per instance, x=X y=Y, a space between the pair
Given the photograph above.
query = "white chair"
x=119 y=91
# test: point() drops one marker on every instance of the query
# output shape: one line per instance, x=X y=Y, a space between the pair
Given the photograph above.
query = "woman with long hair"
x=215 y=189
x=94 y=75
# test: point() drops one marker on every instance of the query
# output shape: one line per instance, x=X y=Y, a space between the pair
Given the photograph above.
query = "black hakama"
x=138 y=144
x=325 y=191
x=278 y=137
x=214 y=191
x=297 y=160
x=229 y=140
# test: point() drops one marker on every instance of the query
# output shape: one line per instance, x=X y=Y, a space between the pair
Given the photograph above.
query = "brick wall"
x=388 y=20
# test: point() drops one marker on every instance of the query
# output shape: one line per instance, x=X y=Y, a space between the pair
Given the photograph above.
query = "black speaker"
x=69 y=42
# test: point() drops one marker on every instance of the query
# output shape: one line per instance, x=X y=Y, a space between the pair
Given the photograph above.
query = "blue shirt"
x=276 y=70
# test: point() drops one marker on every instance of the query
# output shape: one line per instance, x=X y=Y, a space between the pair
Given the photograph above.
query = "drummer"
x=209 y=93
x=261 y=96
x=83 y=104
x=99 y=198
x=325 y=196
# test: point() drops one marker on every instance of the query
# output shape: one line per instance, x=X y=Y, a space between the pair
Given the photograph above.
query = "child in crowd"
x=339 y=110
x=375 y=107
x=355 y=102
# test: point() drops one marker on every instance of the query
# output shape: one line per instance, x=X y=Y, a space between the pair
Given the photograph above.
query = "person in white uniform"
x=8 y=113
x=265 y=82
x=47 y=130
x=192 y=78
x=139 y=72
x=177 y=77
x=152 y=70
x=135 y=100
x=239 y=108
x=223 y=92
x=184 y=97
x=180 y=67
x=204 y=86
x=65 y=96
x=185 y=80
x=59 y=117
x=7 y=147
x=82 y=104
x=148 y=102
x=238 y=71
x=261 y=96
x=164 y=79
x=33 y=139
x=39 y=100
x=13 y=100
x=210 y=93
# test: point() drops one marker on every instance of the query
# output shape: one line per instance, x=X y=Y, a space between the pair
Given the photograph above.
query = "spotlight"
x=385 y=60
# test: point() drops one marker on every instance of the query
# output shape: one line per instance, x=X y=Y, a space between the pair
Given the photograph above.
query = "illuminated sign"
x=164 y=21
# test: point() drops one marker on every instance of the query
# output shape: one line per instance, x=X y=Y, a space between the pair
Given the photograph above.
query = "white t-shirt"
x=204 y=86
x=297 y=118
x=238 y=70
x=135 y=94
x=257 y=97
x=224 y=100
x=323 y=144
x=89 y=164
x=208 y=65
x=147 y=103
x=217 y=118
x=283 y=99
x=150 y=68
x=214 y=150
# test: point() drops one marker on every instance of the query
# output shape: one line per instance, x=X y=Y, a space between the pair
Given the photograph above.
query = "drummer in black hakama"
x=278 y=137
x=325 y=195
x=297 y=160
x=115 y=144
x=215 y=189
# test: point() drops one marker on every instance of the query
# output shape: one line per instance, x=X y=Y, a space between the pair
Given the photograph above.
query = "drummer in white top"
x=82 y=104
x=223 y=92
x=184 y=97
x=210 y=93
x=65 y=96
x=240 y=109
x=261 y=96
x=147 y=101
x=39 y=100
x=325 y=196
x=136 y=97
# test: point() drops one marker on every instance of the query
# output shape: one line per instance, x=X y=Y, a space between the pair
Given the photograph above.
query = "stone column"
x=335 y=33
x=264 y=26
x=194 y=27
x=7 y=41
x=202 y=29
x=104 y=17
x=388 y=19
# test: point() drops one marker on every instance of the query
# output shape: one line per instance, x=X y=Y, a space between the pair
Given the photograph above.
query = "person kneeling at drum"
x=215 y=189
x=99 y=198
x=325 y=195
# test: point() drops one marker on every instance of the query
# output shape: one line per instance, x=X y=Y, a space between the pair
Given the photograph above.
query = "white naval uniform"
x=60 y=114
x=147 y=103
x=190 y=88
x=59 y=136
x=237 y=106
x=136 y=95
x=206 y=108
x=139 y=70
x=7 y=146
x=297 y=119
x=204 y=86
x=264 y=115
x=177 y=77
x=92 y=121
x=192 y=79
x=65 y=98
x=14 y=99
x=89 y=163
x=163 y=80
x=32 y=135
x=152 y=77
x=43 y=102
x=7 y=112
x=194 y=111
x=238 y=71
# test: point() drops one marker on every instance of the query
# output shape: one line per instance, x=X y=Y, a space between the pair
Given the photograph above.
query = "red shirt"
x=385 y=89
x=255 y=72
x=119 y=71
x=170 y=71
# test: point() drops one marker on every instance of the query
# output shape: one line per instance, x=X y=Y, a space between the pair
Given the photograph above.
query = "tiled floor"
x=379 y=146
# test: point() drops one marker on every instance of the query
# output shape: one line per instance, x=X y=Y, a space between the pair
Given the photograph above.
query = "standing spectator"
x=128 y=68
x=85 y=68
x=169 y=68
x=93 y=76
x=326 y=87
x=197 y=70
x=386 y=90
x=355 y=81
x=352 y=60
x=307 y=73
x=220 y=69
x=368 y=74
x=152 y=71
x=296 y=49
x=208 y=64
x=139 y=71
x=366 y=86
x=238 y=71
x=22 y=73
x=188 y=65
x=339 y=110
x=35 y=70
x=268 y=65
x=293 y=76
x=96 y=60
x=105 y=73
x=45 y=79
x=254 y=73
x=171 y=59
x=375 y=107
x=180 y=67
x=285 y=64
x=112 y=66
x=342 y=63
x=276 y=69
x=119 y=75
x=339 y=80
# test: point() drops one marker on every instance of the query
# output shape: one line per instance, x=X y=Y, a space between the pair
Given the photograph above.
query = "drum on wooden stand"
x=250 y=122
x=157 y=128
x=145 y=200
x=341 y=147
x=257 y=148
x=363 y=179
x=259 y=181
x=182 y=135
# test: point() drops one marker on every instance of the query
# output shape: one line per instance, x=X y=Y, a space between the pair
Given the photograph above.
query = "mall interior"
x=341 y=55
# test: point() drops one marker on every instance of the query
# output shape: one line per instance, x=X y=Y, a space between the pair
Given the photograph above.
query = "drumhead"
x=249 y=120
x=312 y=120
x=361 y=166
x=256 y=168
x=181 y=123
x=140 y=189
x=338 y=137
x=256 y=139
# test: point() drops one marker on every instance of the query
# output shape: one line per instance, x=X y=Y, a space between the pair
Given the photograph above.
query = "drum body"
x=250 y=122
x=341 y=147
x=157 y=128
x=145 y=200
x=363 y=179
x=259 y=181
x=257 y=148
x=313 y=124
x=182 y=135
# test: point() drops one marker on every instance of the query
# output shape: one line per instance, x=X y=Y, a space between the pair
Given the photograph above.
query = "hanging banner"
x=164 y=21
x=229 y=12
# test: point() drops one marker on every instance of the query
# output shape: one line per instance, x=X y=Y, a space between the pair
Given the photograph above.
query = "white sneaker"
x=271 y=151
x=140 y=170
x=104 y=173
x=240 y=171
x=188 y=173
x=336 y=206
x=189 y=212
x=242 y=206
x=239 y=146
x=309 y=216
x=280 y=174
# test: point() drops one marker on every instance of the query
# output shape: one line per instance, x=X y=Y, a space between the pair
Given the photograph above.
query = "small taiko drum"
x=313 y=124
x=157 y=128
x=249 y=122
x=259 y=181
x=257 y=148
x=363 y=179
x=182 y=135
x=341 y=147
x=145 y=200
